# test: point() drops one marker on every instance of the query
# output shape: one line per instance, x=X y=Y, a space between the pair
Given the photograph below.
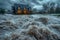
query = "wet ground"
x=29 y=27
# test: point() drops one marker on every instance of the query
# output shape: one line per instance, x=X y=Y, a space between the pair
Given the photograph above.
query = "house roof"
x=22 y=6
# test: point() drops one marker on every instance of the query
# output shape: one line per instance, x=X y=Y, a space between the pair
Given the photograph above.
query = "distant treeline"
x=49 y=11
x=51 y=8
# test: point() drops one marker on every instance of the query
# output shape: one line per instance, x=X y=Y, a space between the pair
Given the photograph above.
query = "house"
x=21 y=9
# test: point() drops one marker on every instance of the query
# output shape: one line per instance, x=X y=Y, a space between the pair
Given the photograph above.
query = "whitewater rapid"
x=29 y=27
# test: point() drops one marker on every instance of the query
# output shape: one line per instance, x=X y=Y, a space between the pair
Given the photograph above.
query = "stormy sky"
x=35 y=4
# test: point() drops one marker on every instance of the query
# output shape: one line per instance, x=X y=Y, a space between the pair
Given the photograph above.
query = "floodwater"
x=29 y=27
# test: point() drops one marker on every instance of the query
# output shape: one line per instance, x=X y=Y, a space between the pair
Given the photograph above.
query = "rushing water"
x=29 y=27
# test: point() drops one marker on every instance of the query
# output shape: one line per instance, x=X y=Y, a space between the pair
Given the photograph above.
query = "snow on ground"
x=29 y=27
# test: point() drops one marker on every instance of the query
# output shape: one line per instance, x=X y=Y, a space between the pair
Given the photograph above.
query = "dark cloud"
x=34 y=3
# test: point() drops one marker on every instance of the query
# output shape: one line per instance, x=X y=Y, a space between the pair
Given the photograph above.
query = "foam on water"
x=29 y=27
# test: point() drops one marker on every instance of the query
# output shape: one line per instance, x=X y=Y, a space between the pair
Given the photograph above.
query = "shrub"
x=2 y=11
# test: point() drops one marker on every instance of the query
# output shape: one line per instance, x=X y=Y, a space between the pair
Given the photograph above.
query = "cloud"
x=35 y=4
